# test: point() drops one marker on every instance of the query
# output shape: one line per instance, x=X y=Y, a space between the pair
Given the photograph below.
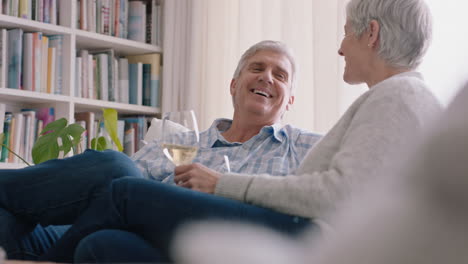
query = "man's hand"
x=196 y=177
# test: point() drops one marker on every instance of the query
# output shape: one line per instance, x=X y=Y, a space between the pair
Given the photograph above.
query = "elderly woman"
x=384 y=42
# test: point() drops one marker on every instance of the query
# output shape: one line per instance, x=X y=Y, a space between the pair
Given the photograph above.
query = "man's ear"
x=232 y=87
x=374 y=31
x=290 y=102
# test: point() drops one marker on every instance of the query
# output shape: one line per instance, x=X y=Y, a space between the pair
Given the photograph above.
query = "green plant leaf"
x=2 y=138
x=47 y=147
x=100 y=143
x=71 y=136
x=110 y=123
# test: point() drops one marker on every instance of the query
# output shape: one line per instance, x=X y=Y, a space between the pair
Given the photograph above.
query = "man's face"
x=263 y=87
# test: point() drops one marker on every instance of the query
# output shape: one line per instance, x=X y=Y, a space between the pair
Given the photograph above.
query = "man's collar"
x=219 y=126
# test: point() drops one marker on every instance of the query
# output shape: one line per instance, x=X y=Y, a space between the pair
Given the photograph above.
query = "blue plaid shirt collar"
x=221 y=125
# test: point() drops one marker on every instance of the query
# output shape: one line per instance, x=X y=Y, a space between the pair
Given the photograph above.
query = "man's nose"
x=266 y=76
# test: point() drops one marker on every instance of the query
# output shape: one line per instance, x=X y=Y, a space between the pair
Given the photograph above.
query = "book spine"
x=51 y=70
x=56 y=41
x=15 y=44
x=37 y=51
x=78 y=77
x=147 y=84
x=45 y=61
x=3 y=57
x=6 y=140
x=137 y=21
x=28 y=60
x=123 y=80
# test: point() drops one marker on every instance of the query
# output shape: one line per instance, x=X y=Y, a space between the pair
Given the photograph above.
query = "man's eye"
x=257 y=69
x=281 y=76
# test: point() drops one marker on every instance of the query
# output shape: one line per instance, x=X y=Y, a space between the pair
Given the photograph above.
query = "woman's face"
x=356 y=55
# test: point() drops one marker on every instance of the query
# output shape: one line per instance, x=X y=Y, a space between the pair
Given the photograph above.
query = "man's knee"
x=115 y=164
x=110 y=245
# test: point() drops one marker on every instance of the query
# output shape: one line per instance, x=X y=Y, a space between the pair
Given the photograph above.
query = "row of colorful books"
x=33 y=61
x=39 y=10
x=131 y=130
x=139 y=20
x=21 y=129
x=133 y=79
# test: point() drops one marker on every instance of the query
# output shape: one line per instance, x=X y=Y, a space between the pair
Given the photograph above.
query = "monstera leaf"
x=47 y=145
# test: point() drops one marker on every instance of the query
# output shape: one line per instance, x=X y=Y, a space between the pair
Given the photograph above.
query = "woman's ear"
x=374 y=30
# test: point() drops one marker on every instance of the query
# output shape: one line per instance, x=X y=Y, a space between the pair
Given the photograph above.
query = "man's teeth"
x=261 y=93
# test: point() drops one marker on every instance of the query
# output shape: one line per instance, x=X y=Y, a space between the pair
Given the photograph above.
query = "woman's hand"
x=196 y=177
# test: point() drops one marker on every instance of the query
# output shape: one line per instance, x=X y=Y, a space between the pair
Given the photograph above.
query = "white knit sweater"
x=350 y=154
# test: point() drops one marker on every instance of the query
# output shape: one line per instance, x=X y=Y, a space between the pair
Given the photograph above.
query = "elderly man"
x=57 y=191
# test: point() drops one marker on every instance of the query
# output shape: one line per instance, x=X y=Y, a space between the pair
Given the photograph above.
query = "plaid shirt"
x=275 y=150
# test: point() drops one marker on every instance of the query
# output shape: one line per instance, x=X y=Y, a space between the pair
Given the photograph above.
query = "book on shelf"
x=78 y=77
x=14 y=5
x=137 y=21
x=7 y=132
x=27 y=72
x=45 y=63
x=84 y=137
x=129 y=141
x=106 y=72
x=15 y=53
x=32 y=61
x=3 y=57
x=83 y=55
x=135 y=77
x=146 y=80
x=123 y=80
x=10 y=155
x=24 y=9
x=45 y=114
x=56 y=41
x=37 y=60
x=140 y=125
x=17 y=136
x=51 y=68
x=2 y=116
x=154 y=60
x=29 y=132
x=89 y=119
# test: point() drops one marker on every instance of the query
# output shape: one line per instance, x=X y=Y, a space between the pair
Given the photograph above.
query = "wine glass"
x=180 y=137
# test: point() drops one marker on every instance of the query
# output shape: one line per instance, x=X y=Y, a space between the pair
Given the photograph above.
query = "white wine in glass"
x=180 y=138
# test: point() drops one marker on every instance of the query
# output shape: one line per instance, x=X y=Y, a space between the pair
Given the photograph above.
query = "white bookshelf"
x=74 y=39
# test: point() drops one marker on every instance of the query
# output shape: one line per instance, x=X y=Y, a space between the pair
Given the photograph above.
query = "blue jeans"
x=116 y=246
x=154 y=211
x=55 y=192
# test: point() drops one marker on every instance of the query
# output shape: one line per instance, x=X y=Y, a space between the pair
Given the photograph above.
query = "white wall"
x=445 y=66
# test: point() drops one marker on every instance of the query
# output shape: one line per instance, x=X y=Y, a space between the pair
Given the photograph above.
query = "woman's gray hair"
x=405 y=28
x=270 y=45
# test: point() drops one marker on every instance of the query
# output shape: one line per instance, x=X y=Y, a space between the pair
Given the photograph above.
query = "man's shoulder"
x=296 y=134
